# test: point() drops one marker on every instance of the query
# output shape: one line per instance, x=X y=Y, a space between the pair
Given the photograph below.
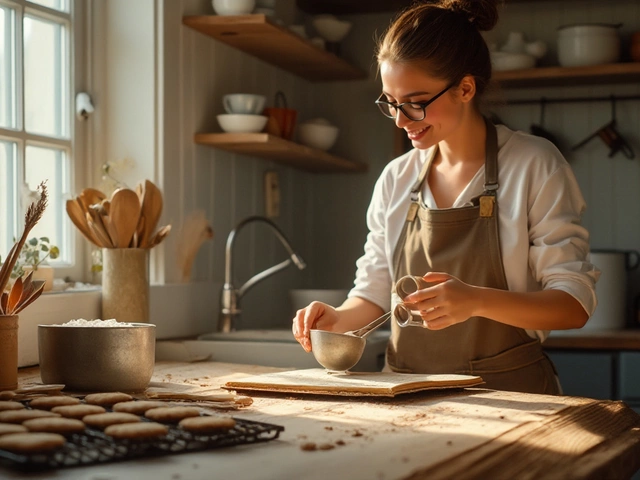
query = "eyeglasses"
x=414 y=111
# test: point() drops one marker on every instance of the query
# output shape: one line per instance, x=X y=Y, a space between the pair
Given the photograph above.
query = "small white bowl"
x=233 y=7
x=330 y=28
x=317 y=135
x=242 y=123
x=511 y=61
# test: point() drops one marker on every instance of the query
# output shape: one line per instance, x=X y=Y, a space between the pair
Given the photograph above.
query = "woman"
x=488 y=216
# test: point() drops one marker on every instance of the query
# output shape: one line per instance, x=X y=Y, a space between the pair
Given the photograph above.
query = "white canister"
x=611 y=288
x=588 y=44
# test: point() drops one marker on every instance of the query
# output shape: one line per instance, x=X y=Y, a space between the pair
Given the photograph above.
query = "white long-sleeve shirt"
x=540 y=206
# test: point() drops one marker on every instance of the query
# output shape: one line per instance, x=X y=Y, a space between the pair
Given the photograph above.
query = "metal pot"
x=588 y=44
x=611 y=288
x=98 y=359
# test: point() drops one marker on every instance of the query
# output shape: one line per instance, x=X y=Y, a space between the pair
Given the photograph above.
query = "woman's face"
x=408 y=83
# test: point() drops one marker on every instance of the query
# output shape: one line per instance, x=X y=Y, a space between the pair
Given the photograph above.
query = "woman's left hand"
x=447 y=302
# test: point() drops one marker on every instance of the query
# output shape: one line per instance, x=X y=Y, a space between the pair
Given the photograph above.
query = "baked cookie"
x=31 y=442
x=11 y=428
x=207 y=424
x=47 y=403
x=171 y=414
x=78 y=411
x=63 y=426
x=9 y=405
x=19 y=416
x=137 y=406
x=7 y=395
x=107 y=399
x=134 y=431
x=103 y=420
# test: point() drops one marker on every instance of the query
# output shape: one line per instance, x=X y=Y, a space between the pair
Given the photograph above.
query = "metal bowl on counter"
x=92 y=359
x=336 y=352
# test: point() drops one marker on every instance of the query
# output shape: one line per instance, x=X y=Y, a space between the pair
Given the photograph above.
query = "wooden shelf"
x=260 y=37
x=351 y=7
x=569 y=76
x=279 y=150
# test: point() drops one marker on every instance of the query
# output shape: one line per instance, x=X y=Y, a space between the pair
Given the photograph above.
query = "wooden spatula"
x=124 y=214
x=151 y=210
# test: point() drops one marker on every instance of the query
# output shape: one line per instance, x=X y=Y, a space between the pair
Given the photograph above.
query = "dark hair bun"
x=482 y=13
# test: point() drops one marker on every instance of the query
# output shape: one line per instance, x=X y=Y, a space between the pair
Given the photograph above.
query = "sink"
x=273 y=348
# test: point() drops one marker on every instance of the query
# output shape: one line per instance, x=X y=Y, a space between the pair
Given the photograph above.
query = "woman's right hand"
x=316 y=315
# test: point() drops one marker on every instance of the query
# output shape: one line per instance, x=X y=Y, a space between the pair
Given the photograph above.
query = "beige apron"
x=465 y=243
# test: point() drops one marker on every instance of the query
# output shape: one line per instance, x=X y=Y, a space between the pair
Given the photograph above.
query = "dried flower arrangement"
x=23 y=292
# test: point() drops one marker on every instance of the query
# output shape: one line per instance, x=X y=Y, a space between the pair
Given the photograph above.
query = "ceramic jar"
x=8 y=352
x=125 y=284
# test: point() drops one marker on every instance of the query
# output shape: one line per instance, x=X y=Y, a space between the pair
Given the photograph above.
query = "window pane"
x=7 y=69
x=61 y=5
x=8 y=197
x=51 y=165
x=46 y=77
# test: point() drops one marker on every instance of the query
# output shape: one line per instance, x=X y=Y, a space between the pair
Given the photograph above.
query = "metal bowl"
x=336 y=351
x=92 y=359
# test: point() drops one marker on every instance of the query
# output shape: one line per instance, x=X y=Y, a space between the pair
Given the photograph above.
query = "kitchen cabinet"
x=594 y=364
x=585 y=374
x=258 y=36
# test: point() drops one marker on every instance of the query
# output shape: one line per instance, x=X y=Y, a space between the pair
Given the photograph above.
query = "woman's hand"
x=446 y=303
x=317 y=315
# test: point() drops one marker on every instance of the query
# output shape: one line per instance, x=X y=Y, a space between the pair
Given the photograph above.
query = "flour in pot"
x=81 y=322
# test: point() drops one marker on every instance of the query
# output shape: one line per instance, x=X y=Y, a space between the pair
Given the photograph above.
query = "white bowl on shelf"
x=233 y=7
x=588 y=44
x=331 y=28
x=502 y=61
x=241 y=123
x=318 y=135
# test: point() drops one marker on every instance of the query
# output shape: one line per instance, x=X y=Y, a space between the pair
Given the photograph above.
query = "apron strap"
x=491 y=159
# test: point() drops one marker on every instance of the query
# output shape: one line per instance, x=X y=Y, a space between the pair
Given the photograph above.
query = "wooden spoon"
x=125 y=212
x=151 y=210
x=91 y=196
x=77 y=216
x=159 y=236
x=96 y=226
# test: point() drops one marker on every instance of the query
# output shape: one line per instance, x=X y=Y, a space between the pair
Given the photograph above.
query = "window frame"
x=74 y=144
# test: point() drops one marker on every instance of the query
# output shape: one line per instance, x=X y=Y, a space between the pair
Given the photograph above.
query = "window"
x=37 y=119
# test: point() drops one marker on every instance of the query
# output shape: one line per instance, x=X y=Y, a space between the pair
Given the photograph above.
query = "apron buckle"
x=487 y=204
x=413 y=211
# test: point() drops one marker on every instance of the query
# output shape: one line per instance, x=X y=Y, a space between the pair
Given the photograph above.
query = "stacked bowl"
x=243 y=113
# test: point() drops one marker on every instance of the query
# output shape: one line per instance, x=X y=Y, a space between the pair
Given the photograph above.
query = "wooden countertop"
x=594 y=340
x=470 y=433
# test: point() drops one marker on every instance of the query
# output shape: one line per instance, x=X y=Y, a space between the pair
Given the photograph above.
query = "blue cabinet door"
x=629 y=380
x=585 y=374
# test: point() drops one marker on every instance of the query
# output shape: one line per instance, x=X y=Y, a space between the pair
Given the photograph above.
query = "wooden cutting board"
x=321 y=382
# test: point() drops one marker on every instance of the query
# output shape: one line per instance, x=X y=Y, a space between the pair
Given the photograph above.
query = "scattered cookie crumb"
x=449 y=442
x=328 y=428
x=326 y=446
x=308 y=446
x=501 y=417
x=356 y=434
x=302 y=437
x=340 y=442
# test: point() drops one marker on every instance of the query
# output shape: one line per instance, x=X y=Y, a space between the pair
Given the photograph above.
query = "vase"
x=8 y=352
x=125 y=284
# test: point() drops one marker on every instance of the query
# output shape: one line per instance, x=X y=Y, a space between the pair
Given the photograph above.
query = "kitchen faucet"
x=231 y=296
